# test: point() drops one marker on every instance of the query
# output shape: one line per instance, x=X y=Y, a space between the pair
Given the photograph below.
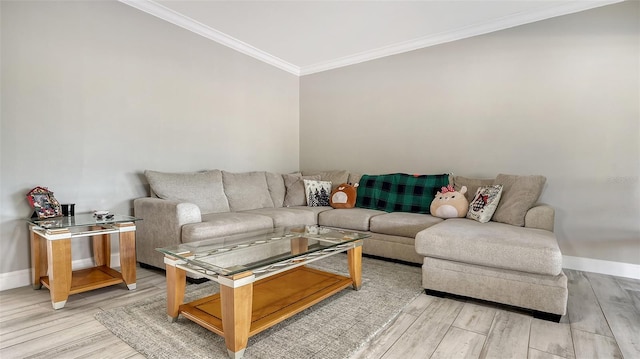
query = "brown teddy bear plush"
x=343 y=196
x=450 y=203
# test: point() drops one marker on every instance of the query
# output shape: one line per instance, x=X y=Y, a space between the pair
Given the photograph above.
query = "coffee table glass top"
x=262 y=251
x=80 y=220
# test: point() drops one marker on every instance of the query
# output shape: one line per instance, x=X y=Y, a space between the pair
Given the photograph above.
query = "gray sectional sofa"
x=516 y=262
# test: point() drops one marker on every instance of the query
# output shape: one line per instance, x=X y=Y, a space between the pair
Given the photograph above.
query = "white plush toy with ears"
x=450 y=203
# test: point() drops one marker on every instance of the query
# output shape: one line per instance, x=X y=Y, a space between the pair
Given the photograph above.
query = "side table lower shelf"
x=91 y=278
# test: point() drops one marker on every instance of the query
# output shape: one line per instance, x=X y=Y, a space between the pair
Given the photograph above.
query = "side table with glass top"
x=51 y=254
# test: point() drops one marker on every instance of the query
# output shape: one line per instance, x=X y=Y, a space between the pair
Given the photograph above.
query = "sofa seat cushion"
x=492 y=244
x=395 y=247
x=348 y=218
x=402 y=223
x=286 y=216
x=223 y=224
x=316 y=210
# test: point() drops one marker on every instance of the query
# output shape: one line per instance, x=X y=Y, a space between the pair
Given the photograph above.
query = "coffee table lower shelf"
x=274 y=299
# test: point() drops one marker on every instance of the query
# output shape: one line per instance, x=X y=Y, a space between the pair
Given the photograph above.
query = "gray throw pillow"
x=295 y=195
x=204 y=189
x=472 y=185
x=519 y=194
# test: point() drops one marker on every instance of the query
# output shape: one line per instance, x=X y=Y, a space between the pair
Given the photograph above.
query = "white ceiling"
x=305 y=37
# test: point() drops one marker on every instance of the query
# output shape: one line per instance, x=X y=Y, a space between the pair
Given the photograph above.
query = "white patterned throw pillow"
x=317 y=192
x=484 y=203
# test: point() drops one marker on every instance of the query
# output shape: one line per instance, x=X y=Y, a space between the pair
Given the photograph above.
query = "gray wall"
x=558 y=98
x=94 y=93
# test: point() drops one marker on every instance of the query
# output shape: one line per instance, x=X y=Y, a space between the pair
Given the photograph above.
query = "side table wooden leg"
x=176 y=283
x=101 y=248
x=59 y=259
x=128 y=255
x=354 y=258
x=39 y=261
x=236 y=300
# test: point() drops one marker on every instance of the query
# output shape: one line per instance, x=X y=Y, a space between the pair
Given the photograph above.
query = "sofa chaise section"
x=498 y=262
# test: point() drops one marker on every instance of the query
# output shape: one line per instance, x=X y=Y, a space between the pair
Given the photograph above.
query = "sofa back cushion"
x=336 y=177
x=472 y=185
x=519 y=194
x=246 y=191
x=294 y=184
x=203 y=189
x=399 y=192
x=277 y=190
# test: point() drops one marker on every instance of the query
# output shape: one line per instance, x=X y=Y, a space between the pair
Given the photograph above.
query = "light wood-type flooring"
x=603 y=321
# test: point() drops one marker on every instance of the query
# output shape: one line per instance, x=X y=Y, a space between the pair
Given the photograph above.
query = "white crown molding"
x=458 y=34
x=162 y=12
x=201 y=29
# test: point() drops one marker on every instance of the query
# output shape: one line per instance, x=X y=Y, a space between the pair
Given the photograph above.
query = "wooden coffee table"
x=263 y=278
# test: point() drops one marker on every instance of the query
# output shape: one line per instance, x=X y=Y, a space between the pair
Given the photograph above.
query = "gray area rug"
x=333 y=328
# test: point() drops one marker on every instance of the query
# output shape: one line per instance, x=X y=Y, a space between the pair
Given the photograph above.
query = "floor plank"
x=537 y=354
x=102 y=344
x=508 y=336
x=423 y=337
x=379 y=346
x=475 y=318
x=589 y=345
x=44 y=327
x=619 y=309
x=552 y=338
x=44 y=344
x=583 y=308
x=460 y=343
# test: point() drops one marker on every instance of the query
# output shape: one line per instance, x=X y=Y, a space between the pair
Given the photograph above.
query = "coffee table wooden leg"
x=39 y=261
x=236 y=301
x=176 y=283
x=299 y=245
x=128 y=254
x=59 y=260
x=354 y=258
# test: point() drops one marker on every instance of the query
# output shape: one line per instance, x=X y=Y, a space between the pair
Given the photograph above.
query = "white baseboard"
x=22 y=278
x=618 y=269
x=15 y=279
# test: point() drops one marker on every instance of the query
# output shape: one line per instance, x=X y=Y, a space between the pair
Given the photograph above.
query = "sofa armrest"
x=161 y=226
x=541 y=216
